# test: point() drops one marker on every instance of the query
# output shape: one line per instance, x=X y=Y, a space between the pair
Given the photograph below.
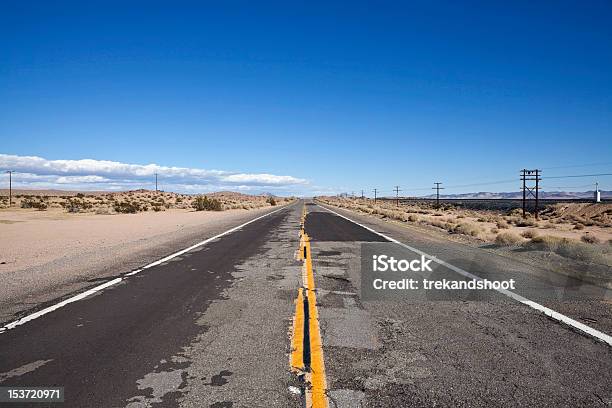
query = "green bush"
x=203 y=203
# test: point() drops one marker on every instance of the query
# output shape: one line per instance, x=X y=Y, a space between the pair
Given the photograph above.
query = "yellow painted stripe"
x=316 y=393
x=318 y=380
x=317 y=377
x=297 y=339
x=310 y=284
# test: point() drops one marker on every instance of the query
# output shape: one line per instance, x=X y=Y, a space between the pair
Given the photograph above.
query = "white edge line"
x=547 y=311
x=113 y=282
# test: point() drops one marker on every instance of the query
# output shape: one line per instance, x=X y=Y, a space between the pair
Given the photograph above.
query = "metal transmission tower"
x=531 y=190
x=375 y=191
x=437 y=188
x=10 y=173
x=397 y=190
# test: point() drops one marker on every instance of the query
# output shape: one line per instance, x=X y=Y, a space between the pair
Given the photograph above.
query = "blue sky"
x=339 y=97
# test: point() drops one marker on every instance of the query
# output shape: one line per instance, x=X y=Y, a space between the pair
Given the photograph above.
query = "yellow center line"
x=297 y=338
x=315 y=377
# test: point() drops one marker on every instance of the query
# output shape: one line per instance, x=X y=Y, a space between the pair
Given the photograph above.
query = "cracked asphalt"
x=212 y=327
x=411 y=352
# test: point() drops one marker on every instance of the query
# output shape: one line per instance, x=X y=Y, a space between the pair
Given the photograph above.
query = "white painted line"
x=113 y=282
x=547 y=311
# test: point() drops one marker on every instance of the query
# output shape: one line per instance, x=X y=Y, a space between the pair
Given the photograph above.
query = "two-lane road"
x=212 y=327
x=206 y=327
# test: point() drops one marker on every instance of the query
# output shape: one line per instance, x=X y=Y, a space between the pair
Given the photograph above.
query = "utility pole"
x=156 y=182
x=375 y=190
x=533 y=190
x=437 y=188
x=362 y=196
x=10 y=173
x=397 y=190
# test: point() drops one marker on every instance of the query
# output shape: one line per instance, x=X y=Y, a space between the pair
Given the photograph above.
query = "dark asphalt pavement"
x=100 y=348
x=490 y=351
x=211 y=327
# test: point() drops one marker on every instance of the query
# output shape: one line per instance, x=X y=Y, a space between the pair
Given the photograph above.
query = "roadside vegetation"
x=132 y=202
x=576 y=231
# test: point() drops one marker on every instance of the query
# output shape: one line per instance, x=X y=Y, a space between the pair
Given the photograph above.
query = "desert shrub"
x=502 y=224
x=508 y=238
x=413 y=218
x=578 y=226
x=156 y=208
x=529 y=234
x=80 y=195
x=438 y=223
x=203 y=203
x=590 y=239
x=494 y=230
x=515 y=212
x=468 y=229
x=40 y=205
x=127 y=207
x=525 y=222
x=74 y=205
x=271 y=201
x=568 y=248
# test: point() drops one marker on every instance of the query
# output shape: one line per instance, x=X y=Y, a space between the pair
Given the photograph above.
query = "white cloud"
x=37 y=172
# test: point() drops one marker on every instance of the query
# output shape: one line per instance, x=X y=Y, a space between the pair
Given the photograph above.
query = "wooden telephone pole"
x=437 y=188
x=397 y=190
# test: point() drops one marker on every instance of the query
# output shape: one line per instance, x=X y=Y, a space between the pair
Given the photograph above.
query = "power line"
x=578 y=175
x=577 y=165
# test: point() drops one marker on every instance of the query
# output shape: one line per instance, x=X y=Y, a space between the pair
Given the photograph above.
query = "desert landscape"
x=62 y=240
x=573 y=238
x=131 y=202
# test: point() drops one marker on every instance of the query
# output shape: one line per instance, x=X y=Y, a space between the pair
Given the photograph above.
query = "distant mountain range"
x=554 y=195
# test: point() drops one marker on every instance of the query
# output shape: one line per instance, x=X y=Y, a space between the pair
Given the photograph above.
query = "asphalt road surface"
x=213 y=327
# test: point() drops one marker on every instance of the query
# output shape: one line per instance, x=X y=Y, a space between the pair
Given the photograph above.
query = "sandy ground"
x=45 y=255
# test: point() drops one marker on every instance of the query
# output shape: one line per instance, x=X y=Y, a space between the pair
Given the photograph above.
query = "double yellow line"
x=306 y=357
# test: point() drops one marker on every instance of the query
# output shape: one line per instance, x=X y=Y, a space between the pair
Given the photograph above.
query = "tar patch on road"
x=325 y=226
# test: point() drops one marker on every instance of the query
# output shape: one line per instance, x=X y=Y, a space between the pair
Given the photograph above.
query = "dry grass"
x=508 y=239
x=529 y=234
x=590 y=239
x=131 y=202
x=570 y=248
x=577 y=230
